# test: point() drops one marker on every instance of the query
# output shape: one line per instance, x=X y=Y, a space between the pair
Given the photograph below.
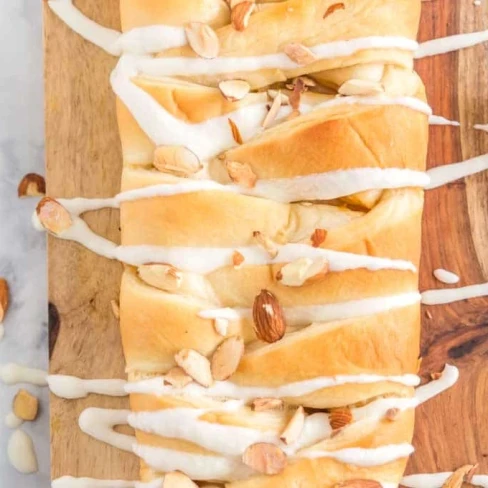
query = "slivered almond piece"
x=162 y=276
x=177 y=377
x=240 y=15
x=203 y=40
x=333 y=8
x=296 y=95
x=469 y=475
x=241 y=173
x=299 y=53
x=392 y=414
x=294 y=428
x=340 y=417
x=195 y=365
x=360 y=87
x=234 y=90
x=226 y=358
x=269 y=323
x=358 y=484
x=237 y=259
x=221 y=326
x=32 y=185
x=177 y=160
x=26 y=405
x=263 y=404
x=266 y=242
x=176 y=479
x=318 y=237
x=273 y=111
x=285 y=100
x=302 y=271
x=53 y=216
x=236 y=134
x=115 y=308
x=265 y=458
x=457 y=478
x=3 y=298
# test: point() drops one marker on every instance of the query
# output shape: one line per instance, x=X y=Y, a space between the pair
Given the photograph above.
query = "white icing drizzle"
x=12 y=374
x=227 y=389
x=448 y=378
x=438 y=120
x=450 y=43
x=140 y=40
x=483 y=127
x=450 y=172
x=99 y=423
x=2 y=331
x=12 y=421
x=21 y=453
x=71 y=482
x=306 y=315
x=438 y=297
x=437 y=480
x=446 y=276
x=71 y=387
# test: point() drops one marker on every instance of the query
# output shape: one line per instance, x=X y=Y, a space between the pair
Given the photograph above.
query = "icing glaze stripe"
x=450 y=295
x=450 y=43
x=437 y=480
x=71 y=387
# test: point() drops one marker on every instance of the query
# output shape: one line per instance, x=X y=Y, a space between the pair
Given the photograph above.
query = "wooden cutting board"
x=83 y=159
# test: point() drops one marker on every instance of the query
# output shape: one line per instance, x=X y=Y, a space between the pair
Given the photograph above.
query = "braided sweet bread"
x=269 y=308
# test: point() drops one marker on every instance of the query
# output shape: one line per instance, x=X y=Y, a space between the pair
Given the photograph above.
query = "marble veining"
x=22 y=249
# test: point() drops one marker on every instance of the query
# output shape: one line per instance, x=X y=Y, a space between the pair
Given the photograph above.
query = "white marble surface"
x=22 y=249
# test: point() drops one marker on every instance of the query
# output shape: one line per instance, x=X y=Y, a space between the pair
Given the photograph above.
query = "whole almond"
x=32 y=185
x=358 y=483
x=240 y=15
x=269 y=322
x=265 y=458
x=360 y=88
x=3 y=298
x=299 y=53
x=294 y=428
x=236 y=134
x=340 y=417
x=318 y=237
x=177 y=160
x=263 y=404
x=162 y=276
x=53 y=216
x=177 y=377
x=176 y=479
x=226 y=358
x=203 y=40
x=25 y=405
x=241 y=173
x=234 y=90
x=195 y=365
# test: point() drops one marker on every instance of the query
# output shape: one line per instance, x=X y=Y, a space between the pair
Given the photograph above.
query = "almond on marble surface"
x=294 y=428
x=269 y=322
x=4 y=298
x=195 y=365
x=177 y=377
x=32 y=185
x=53 y=216
x=177 y=160
x=240 y=15
x=226 y=358
x=203 y=40
x=25 y=405
x=265 y=458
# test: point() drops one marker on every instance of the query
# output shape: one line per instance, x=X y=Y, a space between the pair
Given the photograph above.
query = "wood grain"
x=83 y=158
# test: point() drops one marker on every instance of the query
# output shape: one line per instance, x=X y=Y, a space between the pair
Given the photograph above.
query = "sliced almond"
x=340 y=417
x=457 y=478
x=392 y=414
x=115 y=308
x=299 y=53
x=3 y=298
x=265 y=458
x=32 y=185
x=240 y=15
x=333 y=8
x=236 y=134
x=266 y=242
x=263 y=404
x=302 y=271
x=203 y=40
x=359 y=484
x=273 y=111
x=177 y=160
x=318 y=237
x=221 y=326
x=26 y=405
x=241 y=173
x=269 y=322
x=162 y=276
x=360 y=88
x=226 y=358
x=234 y=90
x=237 y=259
x=177 y=377
x=469 y=475
x=53 y=216
x=195 y=365
x=176 y=479
x=294 y=428
x=296 y=95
